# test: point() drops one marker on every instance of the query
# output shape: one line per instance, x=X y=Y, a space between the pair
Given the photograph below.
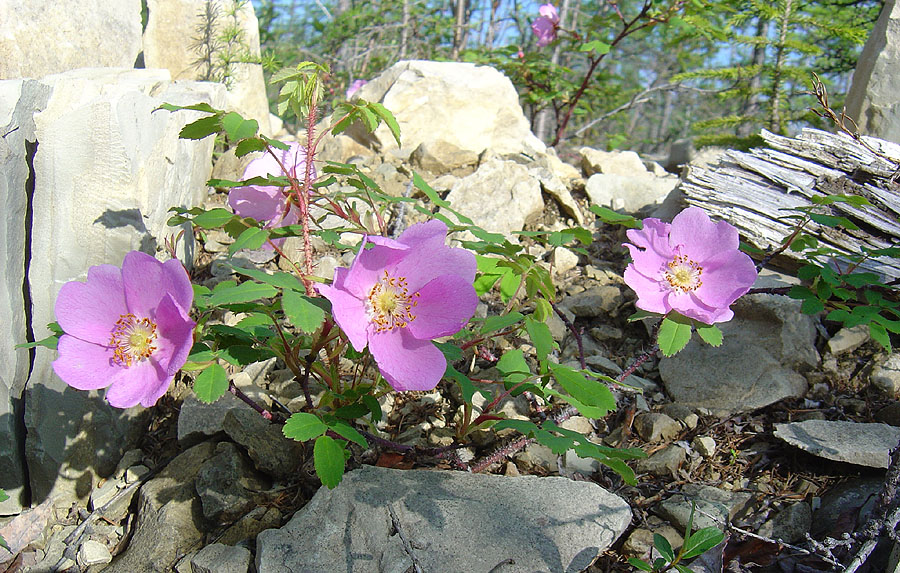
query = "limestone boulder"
x=172 y=42
x=106 y=169
x=872 y=100
x=631 y=193
x=499 y=197
x=42 y=37
x=19 y=99
x=767 y=347
x=471 y=107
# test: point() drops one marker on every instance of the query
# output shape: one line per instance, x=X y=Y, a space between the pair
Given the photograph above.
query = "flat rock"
x=270 y=451
x=452 y=521
x=715 y=506
x=228 y=485
x=198 y=420
x=852 y=442
x=767 y=345
x=630 y=193
x=218 y=558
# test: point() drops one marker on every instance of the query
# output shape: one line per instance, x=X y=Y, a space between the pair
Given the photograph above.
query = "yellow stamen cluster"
x=683 y=274
x=132 y=339
x=389 y=304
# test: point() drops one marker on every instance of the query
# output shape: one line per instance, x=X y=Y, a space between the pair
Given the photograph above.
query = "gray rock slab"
x=453 y=521
x=266 y=445
x=767 y=345
x=198 y=421
x=499 y=197
x=106 y=170
x=630 y=193
x=228 y=485
x=714 y=506
x=170 y=518
x=472 y=107
x=19 y=100
x=842 y=441
x=218 y=558
x=41 y=37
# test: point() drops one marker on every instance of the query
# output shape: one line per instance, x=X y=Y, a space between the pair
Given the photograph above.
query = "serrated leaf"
x=303 y=426
x=236 y=127
x=50 y=342
x=673 y=336
x=540 y=337
x=195 y=107
x=595 y=46
x=250 y=145
x=513 y=361
x=495 y=323
x=203 y=127
x=509 y=285
x=880 y=335
x=664 y=547
x=213 y=218
x=710 y=334
x=613 y=218
x=589 y=392
x=301 y=312
x=812 y=306
x=276 y=279
x=349 y=432
x=251 y=238
x=247 y=291
x=702 y=540
x=328 y=455
x=832 y=221
x=211 y=384
x=388 y=118
x=522 y=426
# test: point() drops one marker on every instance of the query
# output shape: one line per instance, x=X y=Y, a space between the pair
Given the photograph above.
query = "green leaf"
x=673 y=336
x=301 y=312
x=542 y=310
x=522 y=426
x=349 y=432
x=596 y=46
x=388 y=118
x=513 y=361
x=195 y=107
x=213 y=218
x=613 y=218
x=250 y=145
x=589 y=392
x=664 y=547
x=49 y=342
x=812 y=306
x=682 y=568
x=203 y=127
x=701 y=540
x=247 y=291
x=465 y=385
x=831 y=221
x=540 y=337
x=425 y=188
x=710 y=334
x=495 y=323
x=251 y=238
x=373 y=406
x=237 y=127
x=277 y=279
x=328 y=455
x=302 y=426
x=211 y=384
x=3 y=496
x=639 y=564
x=509 y=285
x=880 y=335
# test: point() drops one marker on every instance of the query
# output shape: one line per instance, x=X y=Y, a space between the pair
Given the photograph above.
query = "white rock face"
x=40 y=37
x=872 y=100
x=499 y=197
x=169 y=42
x=106 y=169
x=472 y=107
x=629 y=192
x=18 y=99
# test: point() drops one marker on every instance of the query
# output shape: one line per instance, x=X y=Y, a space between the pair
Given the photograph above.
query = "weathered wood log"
x=755 y=190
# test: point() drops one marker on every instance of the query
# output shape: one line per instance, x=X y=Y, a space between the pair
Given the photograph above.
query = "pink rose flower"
x=546 y=24
x=268 y=204
x=126 y=329
x=400 y=294
x=692 y=266
x=354 y=87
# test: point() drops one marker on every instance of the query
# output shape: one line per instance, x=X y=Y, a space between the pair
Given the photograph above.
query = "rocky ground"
x=782 y=432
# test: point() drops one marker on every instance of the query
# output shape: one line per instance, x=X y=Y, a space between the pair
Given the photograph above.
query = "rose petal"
x=145 y=283
x=443 y=307
x=84 y=365
x=260 y=203
x=349 y=312
x=178 y=284
x=699 y=237
x=420 y=233
x=651 y=294
x=89 y=310
x=175 y=336
x=370 y=263
x=137 y=383
x=425 y=263
x=407 y=363
x=726 y=277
